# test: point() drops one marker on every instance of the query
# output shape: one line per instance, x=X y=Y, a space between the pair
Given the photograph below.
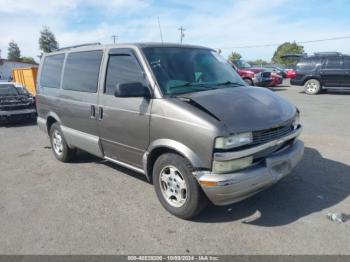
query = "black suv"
x=16 y=103
x=323 y=71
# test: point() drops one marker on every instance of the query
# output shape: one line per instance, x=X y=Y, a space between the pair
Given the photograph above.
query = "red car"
x=291 y=73
x=277 y=79
x=252 y=75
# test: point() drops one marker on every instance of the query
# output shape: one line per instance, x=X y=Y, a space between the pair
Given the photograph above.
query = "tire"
x=176 y=187
x=59 y=145
x=312 y=87
x=248 y=81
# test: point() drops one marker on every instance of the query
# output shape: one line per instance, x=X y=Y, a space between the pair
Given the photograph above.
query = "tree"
x=287 y=48
x=27 y=59
x=258 y=62
x=47 y=40
x=234 y=56
x=13 y=52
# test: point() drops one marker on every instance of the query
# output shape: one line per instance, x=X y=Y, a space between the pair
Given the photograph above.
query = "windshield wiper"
x=192 y=84
x=228 y=83
x=196 y=87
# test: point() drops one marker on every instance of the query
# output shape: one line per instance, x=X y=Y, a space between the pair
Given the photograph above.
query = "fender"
x=42 y=121
x=55 y=116
x=176 y=146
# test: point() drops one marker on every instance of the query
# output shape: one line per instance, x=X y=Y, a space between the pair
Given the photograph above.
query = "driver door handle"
x=92 y=111
x=100 y=113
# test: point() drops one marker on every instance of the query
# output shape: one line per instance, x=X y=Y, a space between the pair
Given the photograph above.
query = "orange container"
x=27 y=77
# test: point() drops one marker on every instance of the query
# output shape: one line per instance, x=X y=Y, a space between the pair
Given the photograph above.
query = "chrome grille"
x=265 y=136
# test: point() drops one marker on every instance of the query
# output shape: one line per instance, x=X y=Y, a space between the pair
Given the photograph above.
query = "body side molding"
x=87 y=142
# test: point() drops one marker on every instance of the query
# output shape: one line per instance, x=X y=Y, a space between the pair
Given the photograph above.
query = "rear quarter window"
x=333 y=63
x=308 y=64
x=81 y=71
x=51 y=71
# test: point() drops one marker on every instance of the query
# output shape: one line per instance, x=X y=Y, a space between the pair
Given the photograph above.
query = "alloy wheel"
x=173 y=186
x=57 y=142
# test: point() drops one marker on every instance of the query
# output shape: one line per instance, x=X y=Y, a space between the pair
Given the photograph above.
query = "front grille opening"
x=265 y=136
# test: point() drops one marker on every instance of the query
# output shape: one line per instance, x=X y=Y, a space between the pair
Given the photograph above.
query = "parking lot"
x=94 y=207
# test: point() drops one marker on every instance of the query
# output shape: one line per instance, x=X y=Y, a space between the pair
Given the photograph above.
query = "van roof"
x=94 y=46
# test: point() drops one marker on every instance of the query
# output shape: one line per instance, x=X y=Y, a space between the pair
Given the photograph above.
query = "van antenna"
x=160 y=30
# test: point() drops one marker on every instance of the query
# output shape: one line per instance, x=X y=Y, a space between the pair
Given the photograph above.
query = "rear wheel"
x=176 y=187
x=312 y=87
x=59 y=145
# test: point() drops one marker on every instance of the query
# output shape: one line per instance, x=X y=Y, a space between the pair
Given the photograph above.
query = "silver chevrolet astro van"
x=177 y=113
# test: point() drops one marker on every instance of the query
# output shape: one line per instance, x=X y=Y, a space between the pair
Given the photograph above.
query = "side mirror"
x=134 y=89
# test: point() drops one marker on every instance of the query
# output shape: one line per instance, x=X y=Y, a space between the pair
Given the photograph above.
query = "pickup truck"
x=253 y=76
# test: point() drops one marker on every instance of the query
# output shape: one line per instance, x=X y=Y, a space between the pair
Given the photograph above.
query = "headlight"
x=220 y=167
x=233 y=141
x=296 y=121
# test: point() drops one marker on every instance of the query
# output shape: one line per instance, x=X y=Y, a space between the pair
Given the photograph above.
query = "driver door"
x=123 y=121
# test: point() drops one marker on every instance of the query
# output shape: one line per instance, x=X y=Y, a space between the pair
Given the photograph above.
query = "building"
x=6 y=67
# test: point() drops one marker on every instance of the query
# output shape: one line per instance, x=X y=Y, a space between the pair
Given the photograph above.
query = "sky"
x=220 y=24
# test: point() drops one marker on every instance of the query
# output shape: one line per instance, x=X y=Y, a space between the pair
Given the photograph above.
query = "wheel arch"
x=249 y=78
x=163 y=146
x=307 y=78
x=51 y=119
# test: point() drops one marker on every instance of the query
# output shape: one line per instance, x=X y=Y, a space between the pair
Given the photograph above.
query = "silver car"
x=179 y=114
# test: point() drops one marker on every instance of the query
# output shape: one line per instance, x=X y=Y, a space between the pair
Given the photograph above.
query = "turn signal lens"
x=208 y=183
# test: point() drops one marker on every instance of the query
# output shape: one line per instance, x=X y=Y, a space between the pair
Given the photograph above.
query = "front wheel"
x=176 y=187
x=248 y=81
x=312 y=87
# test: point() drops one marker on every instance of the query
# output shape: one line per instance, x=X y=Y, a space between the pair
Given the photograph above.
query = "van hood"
x=243 y=109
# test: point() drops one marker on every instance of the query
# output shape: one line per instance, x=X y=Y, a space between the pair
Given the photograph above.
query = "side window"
x=346 y=64
x=333 y=63
x=306 y=64
x=122 y=68
x=81 y=71
x=51 y=71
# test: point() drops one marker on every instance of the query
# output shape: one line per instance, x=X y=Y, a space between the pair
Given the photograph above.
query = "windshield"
x=180 y=70
x=242 y=64
x=8 y=90
x=21 y=90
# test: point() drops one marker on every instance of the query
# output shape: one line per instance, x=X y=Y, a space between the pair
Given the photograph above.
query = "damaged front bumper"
x=224 y=189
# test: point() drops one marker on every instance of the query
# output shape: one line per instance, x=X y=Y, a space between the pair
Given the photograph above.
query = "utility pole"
x=115 y=38
x=182 y=34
